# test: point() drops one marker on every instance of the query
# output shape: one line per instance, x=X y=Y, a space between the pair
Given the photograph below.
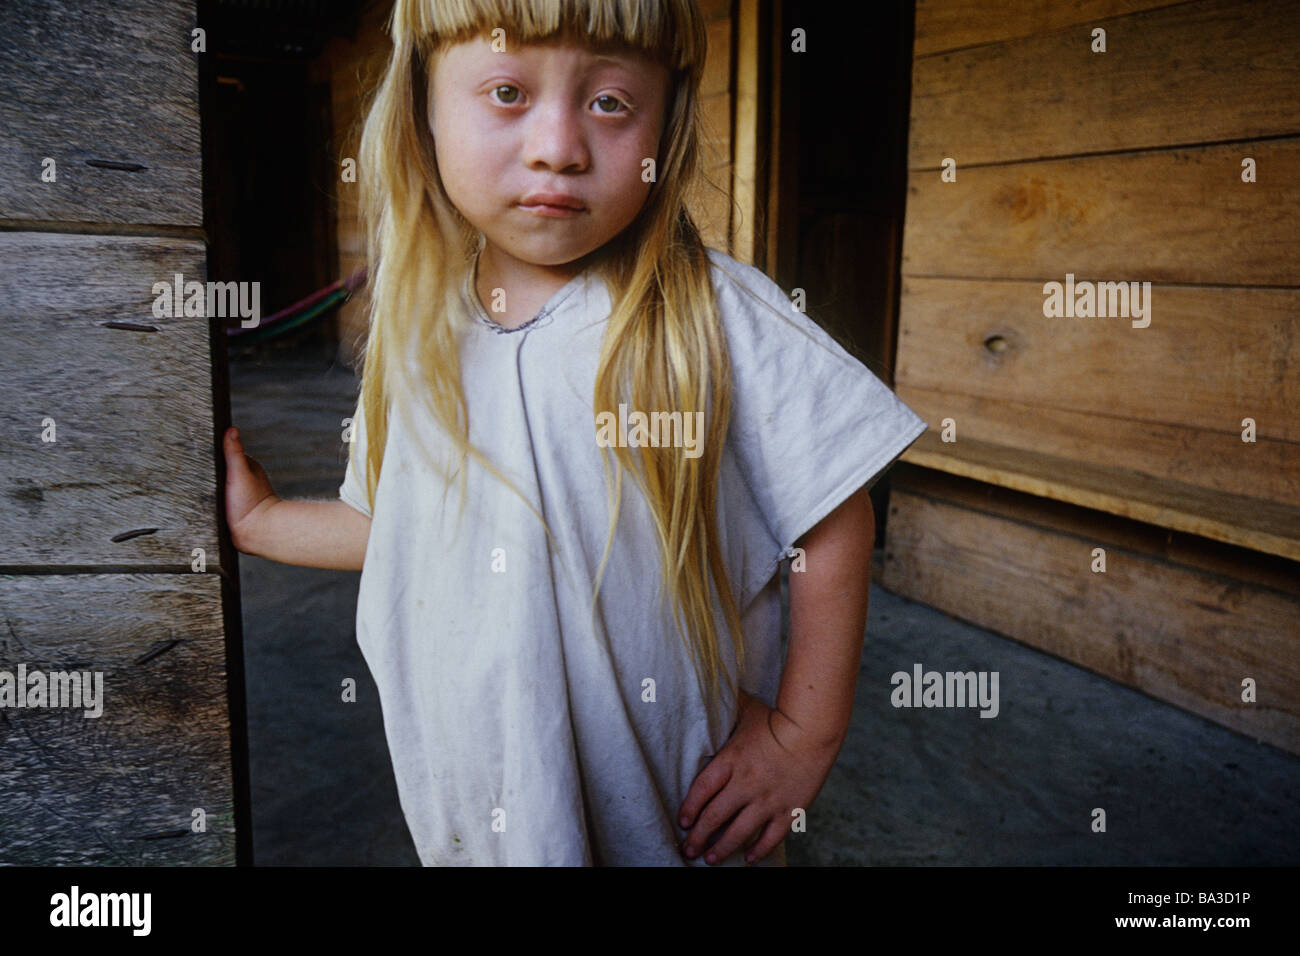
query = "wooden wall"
x=354 y=65
x=108 y=454
x=1118 y=165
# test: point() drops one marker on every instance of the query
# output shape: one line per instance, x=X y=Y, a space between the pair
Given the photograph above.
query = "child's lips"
x=559 y=212
x=558 y=205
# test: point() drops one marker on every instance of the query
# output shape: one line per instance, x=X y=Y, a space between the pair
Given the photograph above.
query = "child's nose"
x=556 y=140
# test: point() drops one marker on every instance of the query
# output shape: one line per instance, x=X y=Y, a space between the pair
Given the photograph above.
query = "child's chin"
x=551 y=256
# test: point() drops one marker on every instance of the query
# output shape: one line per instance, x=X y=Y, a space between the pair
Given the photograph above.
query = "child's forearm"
x=314 y=534
x=828 y=619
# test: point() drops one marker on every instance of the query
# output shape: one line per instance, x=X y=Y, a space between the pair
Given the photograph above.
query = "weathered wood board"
x=109 y=91
x=1209 y=357
x=110 y=557
x=1215 y=460
x=1182 y=634
x=1266 y=526
x=131 y=406
x=1175 y=215
x=949 y=24
x=1164 y=544
x=1162 y=81
x=120 y=788
x=1117 y=166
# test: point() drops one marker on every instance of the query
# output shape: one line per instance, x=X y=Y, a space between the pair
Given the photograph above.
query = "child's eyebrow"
x=626 y=61
x=619 y=61
x=617 y=54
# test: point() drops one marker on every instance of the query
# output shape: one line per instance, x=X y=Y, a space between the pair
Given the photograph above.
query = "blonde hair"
x=664 y=340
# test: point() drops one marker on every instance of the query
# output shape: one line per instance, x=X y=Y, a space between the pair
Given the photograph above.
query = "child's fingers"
x=238 y=458
x=707 y=782
x=244 y=473
x=713 y=817
x=772 y=836
x=747 y=823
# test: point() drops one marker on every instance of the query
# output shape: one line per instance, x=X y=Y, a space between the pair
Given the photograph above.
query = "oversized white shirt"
x=524 y=728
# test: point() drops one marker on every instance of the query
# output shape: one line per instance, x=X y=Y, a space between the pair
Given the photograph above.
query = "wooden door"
x=114 y=567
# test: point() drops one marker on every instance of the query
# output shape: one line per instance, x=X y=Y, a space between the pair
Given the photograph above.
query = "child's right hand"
x=248 y=491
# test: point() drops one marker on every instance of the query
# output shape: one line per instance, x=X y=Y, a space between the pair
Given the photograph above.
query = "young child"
x=574 y=668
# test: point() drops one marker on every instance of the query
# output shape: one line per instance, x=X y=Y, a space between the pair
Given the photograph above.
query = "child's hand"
x=767 y=768
x=248 y=491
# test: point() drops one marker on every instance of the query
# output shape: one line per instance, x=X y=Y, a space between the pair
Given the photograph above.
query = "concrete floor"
x=912 y=786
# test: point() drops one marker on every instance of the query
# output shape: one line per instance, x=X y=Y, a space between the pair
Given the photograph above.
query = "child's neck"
x=512 y=291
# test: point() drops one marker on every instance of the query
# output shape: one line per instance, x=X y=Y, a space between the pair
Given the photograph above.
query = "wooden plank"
x=1165 y=216
x=1192 y=73
x=1215 y=460
x=110 y=93
x=1209 y=357
x=943 y=25
x=780 y=192
x=1162 y=544
x=717 y=65
x=745 y=227
x=132 y=410
x=121 y=788
x=1180 y=635
x=1247 y=522
x=709 y=199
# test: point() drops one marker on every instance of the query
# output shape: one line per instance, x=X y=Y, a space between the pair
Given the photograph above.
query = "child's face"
x=541 y=147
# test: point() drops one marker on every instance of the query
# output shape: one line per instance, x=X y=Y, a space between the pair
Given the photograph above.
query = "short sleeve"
x=810 y=424
x=353 y=489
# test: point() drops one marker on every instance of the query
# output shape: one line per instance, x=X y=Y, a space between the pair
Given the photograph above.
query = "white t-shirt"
x=522 y=727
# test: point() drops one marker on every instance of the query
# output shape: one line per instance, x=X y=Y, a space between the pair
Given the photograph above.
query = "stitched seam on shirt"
x=476 y=307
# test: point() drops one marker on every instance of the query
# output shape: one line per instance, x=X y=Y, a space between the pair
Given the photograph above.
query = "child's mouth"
x=552 y=204
x=545 y=210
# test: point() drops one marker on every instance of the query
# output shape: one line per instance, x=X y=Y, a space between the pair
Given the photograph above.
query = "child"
x=572 y=671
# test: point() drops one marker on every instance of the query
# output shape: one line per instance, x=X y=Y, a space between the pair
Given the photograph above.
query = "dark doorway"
x=268 y=174
x=842 y=182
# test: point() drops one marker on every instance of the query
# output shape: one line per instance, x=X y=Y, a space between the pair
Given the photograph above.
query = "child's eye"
x=506 y=94
x=609 y=104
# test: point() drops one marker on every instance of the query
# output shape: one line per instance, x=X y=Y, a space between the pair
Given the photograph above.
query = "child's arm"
x=776 y=760
x=315 y=534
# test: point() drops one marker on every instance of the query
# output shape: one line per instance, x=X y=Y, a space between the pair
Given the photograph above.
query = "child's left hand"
x=768 y=767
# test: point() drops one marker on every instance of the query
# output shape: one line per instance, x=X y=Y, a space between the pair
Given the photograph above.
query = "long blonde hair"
x=664 y=340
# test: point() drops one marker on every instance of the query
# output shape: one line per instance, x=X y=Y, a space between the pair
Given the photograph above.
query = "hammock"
x=312 y=307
